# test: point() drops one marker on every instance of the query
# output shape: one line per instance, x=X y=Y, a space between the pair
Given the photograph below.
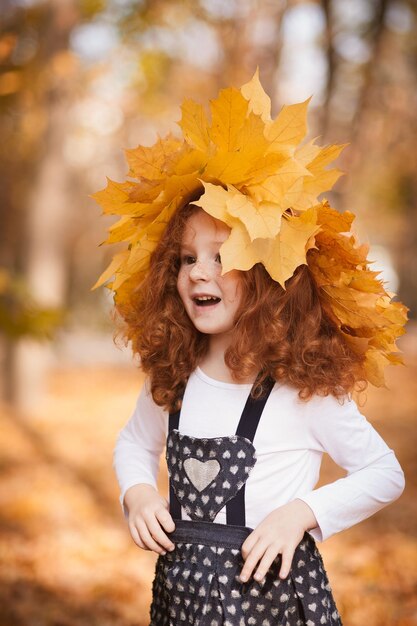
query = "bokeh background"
x=81 y=80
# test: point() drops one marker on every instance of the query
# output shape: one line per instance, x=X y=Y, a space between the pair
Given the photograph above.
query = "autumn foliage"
x=255 y=174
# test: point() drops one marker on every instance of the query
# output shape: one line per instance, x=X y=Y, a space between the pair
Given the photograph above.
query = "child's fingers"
x=248 y=544
x=265 y=563
x=135 y=536
x=251 y=560
x=287 y=556
x=166 y=520
x=158 y=534
x=147 y=538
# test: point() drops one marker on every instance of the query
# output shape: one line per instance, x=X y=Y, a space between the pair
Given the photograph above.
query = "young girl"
x=249 y=374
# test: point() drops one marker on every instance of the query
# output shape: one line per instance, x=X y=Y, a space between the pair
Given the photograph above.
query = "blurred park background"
x=81 y=80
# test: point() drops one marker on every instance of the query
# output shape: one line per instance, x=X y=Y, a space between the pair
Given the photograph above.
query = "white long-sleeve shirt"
x=290 y=440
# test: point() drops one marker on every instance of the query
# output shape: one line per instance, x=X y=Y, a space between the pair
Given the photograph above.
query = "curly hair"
x=302 y=346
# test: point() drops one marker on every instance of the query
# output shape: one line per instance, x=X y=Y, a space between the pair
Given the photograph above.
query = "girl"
x=249 y=369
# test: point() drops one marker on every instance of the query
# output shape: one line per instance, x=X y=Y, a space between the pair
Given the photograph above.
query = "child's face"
x=210 y=299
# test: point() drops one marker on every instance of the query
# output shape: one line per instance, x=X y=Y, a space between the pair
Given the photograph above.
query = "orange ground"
x=65 y=555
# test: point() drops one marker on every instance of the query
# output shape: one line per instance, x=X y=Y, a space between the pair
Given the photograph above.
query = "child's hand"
x=279 y=533
x=148 y=516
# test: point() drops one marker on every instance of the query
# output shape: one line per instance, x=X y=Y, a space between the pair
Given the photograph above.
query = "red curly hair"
x=301 y=346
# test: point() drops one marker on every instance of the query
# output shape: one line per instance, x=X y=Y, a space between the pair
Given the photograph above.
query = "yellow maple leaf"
x=358 y=344
x=118 y=260
x=288 y=129
x=333 y=220
x=265 y=166
x=230 y=206
x=122 y=230
x=180 y=188
x=368 y=319
x=375 y=363
x=280 y=255
x=278 y=186
x=233 y=165
x=262 y=220
x=155 y=161
x=296 y=237
x=195 y=125
x=259 y=101
x=365 y=280
x=114 y=198
x=214 y=202
x=230 y=168
x=306 y=153
x=146 y=190
x=320 y=179
x=238 y=251
x=138 y=260
x=191 y=161
x=228 y=115
x=251 y=139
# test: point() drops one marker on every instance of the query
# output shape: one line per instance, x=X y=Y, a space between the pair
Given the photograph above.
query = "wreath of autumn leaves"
x=259 y=180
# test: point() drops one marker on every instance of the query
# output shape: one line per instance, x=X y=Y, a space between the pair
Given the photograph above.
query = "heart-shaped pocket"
x=207 y=473
x=201 y=473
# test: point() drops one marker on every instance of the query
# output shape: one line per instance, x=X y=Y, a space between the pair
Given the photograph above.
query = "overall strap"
x=235 y=508
x=174 y=503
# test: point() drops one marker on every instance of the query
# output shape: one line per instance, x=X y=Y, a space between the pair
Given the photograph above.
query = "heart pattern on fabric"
x=206 y=473
x=201 y=473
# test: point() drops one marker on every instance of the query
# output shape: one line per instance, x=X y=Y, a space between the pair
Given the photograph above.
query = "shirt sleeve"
x=139 y=444
x=374 y=476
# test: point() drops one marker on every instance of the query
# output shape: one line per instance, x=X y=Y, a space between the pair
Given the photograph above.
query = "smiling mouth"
x=206 y=300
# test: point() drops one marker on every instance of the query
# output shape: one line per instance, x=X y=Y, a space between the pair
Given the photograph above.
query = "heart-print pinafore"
x=198 y=583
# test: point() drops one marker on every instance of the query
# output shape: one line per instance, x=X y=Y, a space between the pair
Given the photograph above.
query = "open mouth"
x=206 y=300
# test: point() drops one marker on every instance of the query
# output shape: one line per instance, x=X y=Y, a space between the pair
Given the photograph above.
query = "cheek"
x=181 y=284
x=233 y=289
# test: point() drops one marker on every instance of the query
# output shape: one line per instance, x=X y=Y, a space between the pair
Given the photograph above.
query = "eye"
x=187 y=259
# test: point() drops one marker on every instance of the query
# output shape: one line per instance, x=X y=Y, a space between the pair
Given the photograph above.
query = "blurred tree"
x=20 y=317
x=371 y=99
x=33 y=203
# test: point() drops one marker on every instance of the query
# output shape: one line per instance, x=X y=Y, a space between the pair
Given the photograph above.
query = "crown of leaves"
x=257 y=178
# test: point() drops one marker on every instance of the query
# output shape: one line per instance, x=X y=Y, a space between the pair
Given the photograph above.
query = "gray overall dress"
x=198 y=582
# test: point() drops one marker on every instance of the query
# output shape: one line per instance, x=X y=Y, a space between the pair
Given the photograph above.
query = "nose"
x=200 y=271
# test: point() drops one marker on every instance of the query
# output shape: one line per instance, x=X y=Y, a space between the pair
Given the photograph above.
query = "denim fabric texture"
x=198 y=583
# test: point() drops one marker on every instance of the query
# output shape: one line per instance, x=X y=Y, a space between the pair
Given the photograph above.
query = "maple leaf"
x=123 y=230
x=228 y=115
x=155 y=161
x=114 y=199
x=194 y=125
x=258 y=100
x=356 y=296
x=288 y=129
x=278 y=185
x=117 y=262
x=289 y=250
x=320 y=179
x=280 y=255
x=261 y=220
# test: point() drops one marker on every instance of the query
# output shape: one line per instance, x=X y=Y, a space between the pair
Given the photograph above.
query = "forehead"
x=203 y=228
